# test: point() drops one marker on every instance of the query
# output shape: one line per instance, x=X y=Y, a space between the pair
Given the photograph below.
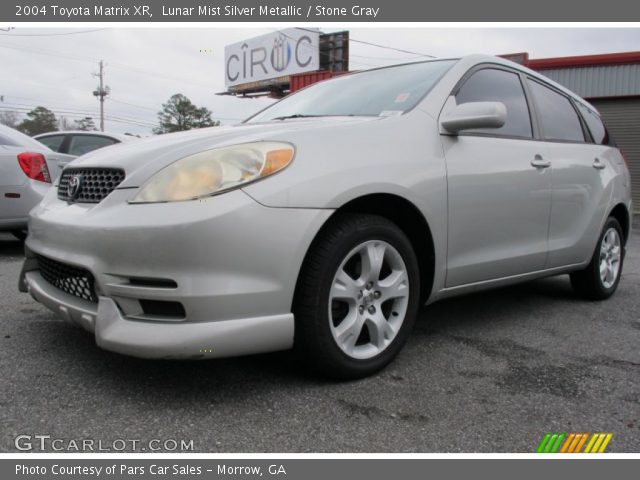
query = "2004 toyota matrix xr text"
x=324 y=221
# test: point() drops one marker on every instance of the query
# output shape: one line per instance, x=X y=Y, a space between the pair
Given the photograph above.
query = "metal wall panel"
x=622 y=117
x=601 y=81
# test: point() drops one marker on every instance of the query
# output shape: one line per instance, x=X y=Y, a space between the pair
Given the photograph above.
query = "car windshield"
x=381 y=92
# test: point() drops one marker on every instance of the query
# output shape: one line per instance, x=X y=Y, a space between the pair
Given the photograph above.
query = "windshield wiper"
x=296 y=115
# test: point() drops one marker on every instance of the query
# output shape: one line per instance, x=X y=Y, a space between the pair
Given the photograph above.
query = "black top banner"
x=316 y=11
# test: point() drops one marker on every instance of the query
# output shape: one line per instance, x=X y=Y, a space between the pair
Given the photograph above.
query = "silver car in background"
x=323 y=222
x=27 y=170
x=79 y=142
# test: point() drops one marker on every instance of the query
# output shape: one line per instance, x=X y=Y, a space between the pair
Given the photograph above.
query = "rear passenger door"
x=499 y=186
x=580 y=169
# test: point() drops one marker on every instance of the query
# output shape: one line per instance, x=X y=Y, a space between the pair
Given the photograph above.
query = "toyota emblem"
x=73 y=188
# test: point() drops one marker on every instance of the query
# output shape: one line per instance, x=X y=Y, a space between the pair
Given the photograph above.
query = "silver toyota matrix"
x=323 y=222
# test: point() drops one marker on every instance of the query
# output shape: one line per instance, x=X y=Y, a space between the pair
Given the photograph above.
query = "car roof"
x=117 y=136
x=472 y=60
x=22 y=140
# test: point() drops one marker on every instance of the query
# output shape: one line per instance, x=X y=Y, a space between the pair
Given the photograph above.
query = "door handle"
x=540 y=162
x=598 y=164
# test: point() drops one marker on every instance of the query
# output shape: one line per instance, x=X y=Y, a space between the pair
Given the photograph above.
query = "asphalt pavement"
x=489 y=372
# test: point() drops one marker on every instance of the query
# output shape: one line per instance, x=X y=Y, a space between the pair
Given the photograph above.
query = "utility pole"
x=101 y=92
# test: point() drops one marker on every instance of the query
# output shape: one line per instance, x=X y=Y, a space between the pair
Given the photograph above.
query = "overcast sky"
x=145 y=66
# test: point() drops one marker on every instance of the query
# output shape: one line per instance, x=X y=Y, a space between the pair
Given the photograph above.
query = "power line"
x=156 y=110
x=133 y=105
x=355 y=62
x=50 y=34
x=392 y=48
x=159 y=75
x=383 y=58
x=77 y=58
x=42 y=51
x=80 y=113
x=310 y=47
x=377 y=45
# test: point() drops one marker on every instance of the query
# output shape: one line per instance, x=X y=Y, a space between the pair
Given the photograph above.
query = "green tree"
x=86 y=124
x=180 y=114
x=39 y=120
x=10 y=118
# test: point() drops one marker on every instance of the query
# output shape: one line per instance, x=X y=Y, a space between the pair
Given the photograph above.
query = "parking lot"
x=489 y=372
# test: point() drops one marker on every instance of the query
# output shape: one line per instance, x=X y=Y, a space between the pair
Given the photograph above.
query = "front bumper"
x=116 y=333
x=231 y=263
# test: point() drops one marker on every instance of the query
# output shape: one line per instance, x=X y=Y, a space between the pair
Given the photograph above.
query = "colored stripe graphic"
x=592 y=441
x=543 y=443
x=606 y=441
x=556 y=446
x=581 y=443
x=556 y=442
x=567 y=443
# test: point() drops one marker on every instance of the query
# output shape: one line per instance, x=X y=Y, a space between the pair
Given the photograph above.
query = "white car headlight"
x=215 y=171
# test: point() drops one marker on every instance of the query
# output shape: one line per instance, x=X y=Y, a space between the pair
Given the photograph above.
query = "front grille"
x=72 y=280
x=95 y=184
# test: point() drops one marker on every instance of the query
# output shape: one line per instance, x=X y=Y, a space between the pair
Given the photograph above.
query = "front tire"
x=357 y=296
x=601 y=277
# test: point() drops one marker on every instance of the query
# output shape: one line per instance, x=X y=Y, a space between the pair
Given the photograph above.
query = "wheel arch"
x=621 y=214
x=407 y=217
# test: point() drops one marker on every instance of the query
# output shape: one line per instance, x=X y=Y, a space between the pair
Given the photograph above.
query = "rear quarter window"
x=596 y=126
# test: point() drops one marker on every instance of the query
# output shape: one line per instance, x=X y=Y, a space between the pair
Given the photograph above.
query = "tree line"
x=177 y=114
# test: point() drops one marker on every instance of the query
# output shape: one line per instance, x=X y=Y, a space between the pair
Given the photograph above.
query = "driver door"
x=499 y=186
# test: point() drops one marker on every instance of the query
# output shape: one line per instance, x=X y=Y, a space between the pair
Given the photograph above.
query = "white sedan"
x=79 y=142
x=27 y=170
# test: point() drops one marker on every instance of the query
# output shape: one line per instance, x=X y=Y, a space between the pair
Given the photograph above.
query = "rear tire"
x=357 y=296
x=601 y=277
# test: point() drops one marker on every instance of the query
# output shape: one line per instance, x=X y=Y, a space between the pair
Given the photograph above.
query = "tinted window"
x=559 y=119
x=53 y=142
x=492 y=85
x=81 y=144
x=386 y=91
x=594 y=122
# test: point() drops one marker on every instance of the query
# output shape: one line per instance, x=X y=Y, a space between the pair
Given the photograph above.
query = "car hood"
x=141 y=159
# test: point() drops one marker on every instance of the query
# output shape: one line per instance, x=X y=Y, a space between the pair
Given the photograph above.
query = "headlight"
x=215 y=171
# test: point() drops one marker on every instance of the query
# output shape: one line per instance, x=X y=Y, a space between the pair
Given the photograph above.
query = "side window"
x=596 y=127
x=559 y=119
x=53 y=141
x=492 y=85
x=81 y=144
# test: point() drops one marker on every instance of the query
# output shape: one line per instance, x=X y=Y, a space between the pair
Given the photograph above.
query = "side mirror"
x=471 y=115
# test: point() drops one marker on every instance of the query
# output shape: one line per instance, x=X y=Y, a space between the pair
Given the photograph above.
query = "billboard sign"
x=273 y=55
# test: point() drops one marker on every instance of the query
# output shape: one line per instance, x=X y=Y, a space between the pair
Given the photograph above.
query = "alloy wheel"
x=368 y=299
x=610 y=255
